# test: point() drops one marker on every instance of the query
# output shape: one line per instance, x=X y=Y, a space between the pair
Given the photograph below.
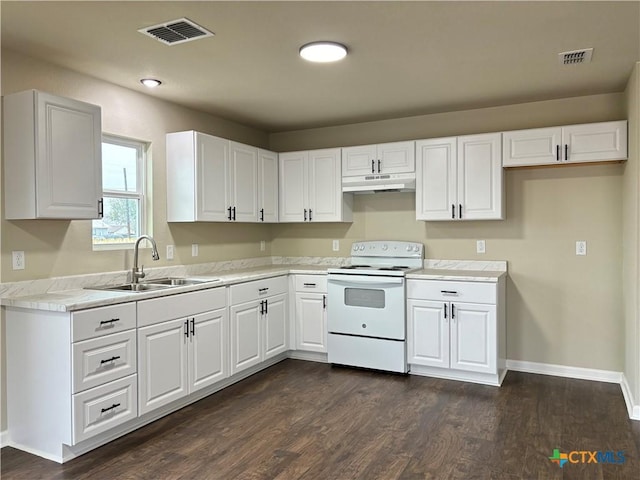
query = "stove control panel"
x=387 y=249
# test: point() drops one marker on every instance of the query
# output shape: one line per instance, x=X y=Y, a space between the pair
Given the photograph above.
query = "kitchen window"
x=123 y=190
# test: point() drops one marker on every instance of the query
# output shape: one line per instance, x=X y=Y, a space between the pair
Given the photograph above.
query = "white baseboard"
x=308 y=356
x=4 y=438
x=608 y=376
x=565 y=371
x=632 y=407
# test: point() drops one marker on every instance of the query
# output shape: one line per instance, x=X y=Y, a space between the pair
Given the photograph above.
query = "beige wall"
x=561 y=309
x=631 y=239
x=58 y=247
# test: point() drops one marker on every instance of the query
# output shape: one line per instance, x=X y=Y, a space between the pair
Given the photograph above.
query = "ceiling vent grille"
x=176 y=31
x=575 y=56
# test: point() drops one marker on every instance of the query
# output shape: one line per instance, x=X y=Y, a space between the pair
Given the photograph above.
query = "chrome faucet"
x=137 y=274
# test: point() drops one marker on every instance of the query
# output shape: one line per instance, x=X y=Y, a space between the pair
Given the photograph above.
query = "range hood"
x=395 y=182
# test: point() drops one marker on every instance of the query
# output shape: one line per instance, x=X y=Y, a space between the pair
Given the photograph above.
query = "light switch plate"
x=169 y=252
x=262 y=245
x=336 y=245
x=194 y=249
x=481 y=246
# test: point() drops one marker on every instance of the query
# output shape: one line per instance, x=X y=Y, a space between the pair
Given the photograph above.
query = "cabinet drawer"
x=103 y=359
x=99 y=409
x=161 y=309
x=245 y=292
x=96 y=322
x=472 y=292
x=311 y=283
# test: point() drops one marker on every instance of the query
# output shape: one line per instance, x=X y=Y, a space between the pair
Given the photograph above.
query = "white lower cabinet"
x=259 y=321
x=457 y=329
x=311 y=313
x=181 y=355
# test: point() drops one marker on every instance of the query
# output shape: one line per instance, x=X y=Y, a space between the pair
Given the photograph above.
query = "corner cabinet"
x=396 y=157
x=52 y=157
x=212 y=179
x=457 y=330
x=311 y=187
x=459 y=178
x=591 y=142
x=259 y=321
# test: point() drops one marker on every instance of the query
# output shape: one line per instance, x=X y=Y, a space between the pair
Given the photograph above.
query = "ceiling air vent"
x=576 y=56
x=176 y=31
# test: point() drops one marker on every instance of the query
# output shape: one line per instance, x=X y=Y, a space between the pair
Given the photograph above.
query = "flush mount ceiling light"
x=150 y=82
x=323 y=52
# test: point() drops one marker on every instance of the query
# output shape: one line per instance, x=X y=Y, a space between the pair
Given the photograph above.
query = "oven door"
x=371 y=306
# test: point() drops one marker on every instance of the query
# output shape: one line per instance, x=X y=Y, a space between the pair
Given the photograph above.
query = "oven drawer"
x=104 y=407
x=439 y=290
x=249 y=291
x=96 y=322
x=103 y=359
x=311 y=283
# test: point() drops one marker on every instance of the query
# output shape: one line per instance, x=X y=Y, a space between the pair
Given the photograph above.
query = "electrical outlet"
x=194 y=249
x=18 y=260
x=169 y=252
x=581 y=247
x=336 y=245
x=262 y=245
x=481 y=246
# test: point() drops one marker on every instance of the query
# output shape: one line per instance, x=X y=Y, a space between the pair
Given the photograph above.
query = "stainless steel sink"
x=131 y=287
x=178 y=281
x=155 y=284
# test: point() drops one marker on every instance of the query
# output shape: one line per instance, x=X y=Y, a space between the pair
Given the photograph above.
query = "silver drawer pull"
x=109 y=359
x=448 y=292
x=310 y=285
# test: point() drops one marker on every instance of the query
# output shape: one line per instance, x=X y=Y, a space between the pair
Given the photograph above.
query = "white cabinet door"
x=246 y=335
x=428 y=333
x=212 y=178
x=162 y=364
x=311 y=322
x=275 y=322
x=397 y=157
x=360 y=160
x=243 y=176
x=480 y=177
x=536 y=146
x=52 y=157
x=595 y=142
x=325 y=186
x=292 y=186
x=267 y=186
x=208 y=340
x=436 y=181
x=473 y=337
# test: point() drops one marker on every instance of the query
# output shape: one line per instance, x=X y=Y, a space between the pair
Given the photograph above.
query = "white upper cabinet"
x=459 y=178
x=311 y=187
x=52 y=157
x=211 y=179
x=267 y=186
x=591 y=142
x=396 y=157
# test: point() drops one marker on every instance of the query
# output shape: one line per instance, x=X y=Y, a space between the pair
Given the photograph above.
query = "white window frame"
x=140 y=194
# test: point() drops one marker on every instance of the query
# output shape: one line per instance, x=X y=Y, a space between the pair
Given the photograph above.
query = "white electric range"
x=366 y=305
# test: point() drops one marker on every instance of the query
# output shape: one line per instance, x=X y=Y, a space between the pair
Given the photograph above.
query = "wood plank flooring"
x=305 y=420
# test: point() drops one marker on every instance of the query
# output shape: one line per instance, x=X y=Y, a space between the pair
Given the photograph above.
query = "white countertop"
x=81 y=298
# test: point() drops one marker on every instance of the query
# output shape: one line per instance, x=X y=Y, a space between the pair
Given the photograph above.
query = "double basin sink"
x=155 y=284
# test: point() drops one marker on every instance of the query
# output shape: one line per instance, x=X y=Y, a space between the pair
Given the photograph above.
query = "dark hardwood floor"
x=305 y=420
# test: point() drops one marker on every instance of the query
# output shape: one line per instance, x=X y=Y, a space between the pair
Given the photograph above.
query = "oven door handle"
x=373 y=280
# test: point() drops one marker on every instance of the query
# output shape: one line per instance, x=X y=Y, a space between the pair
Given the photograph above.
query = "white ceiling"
x=406 y=58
